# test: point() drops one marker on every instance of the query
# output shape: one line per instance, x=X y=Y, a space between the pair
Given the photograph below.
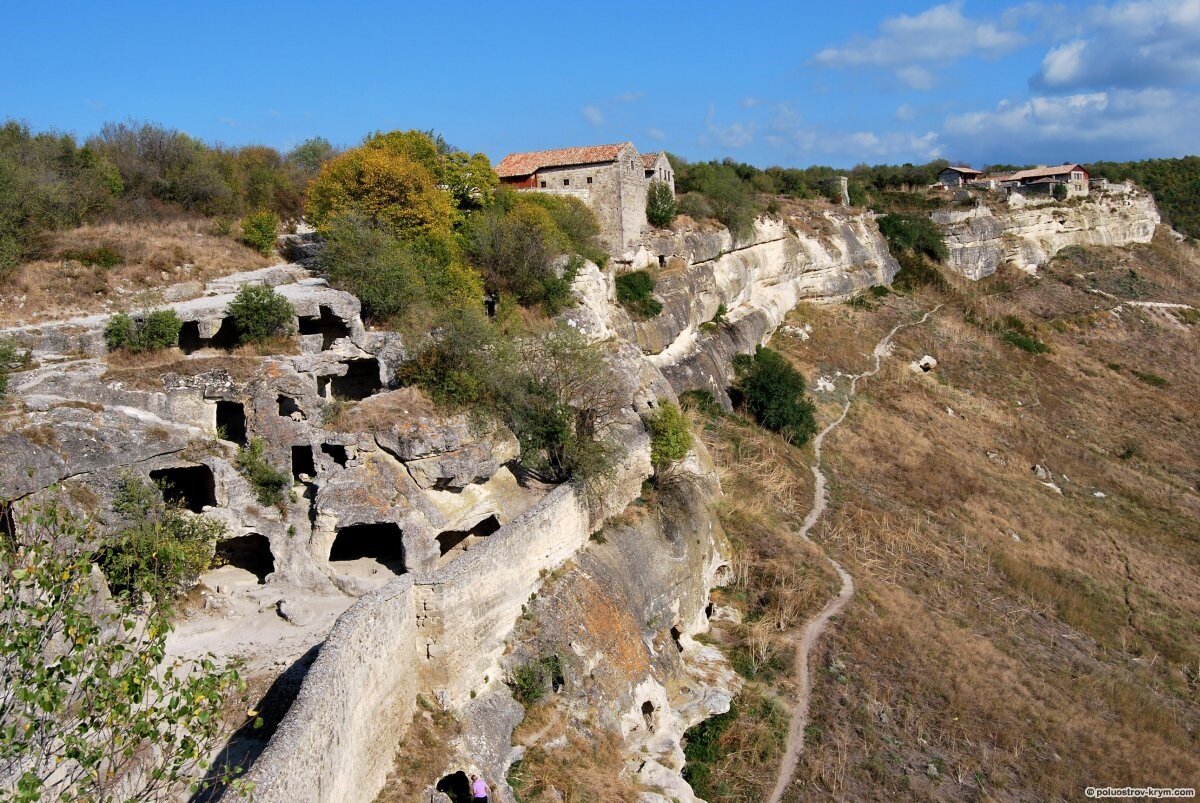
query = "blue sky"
x=770 y=82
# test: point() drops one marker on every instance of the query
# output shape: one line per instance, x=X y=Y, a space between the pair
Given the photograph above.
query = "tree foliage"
x=635 y=293
x=1175 y=184
x=670 y=435
x=773 y=391
x=153 y=331
x=90 y=710
x=11 y=358
x=260 y=313
x=260 y=230
x=916 y=234
x=159 y=549
x=270 y=484
x=660 y=204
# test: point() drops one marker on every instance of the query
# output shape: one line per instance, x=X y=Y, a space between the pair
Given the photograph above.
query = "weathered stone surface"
x=1029 y=234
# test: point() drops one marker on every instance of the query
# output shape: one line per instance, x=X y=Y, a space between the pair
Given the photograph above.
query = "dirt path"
x=816 y=626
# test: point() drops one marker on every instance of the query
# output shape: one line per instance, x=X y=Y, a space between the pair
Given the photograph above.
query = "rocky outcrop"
x=1029 y=233
x=826 y=255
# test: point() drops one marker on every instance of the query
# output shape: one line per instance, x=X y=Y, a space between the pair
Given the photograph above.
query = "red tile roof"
x=648 y=159
x=525 y=164
x=1045 y=172
x=965 y=170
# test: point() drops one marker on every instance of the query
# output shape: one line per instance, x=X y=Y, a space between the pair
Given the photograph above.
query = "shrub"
x=156 y=330
x=270 y=484
x=917 y=271
x=89 y=704
x=660 y=204
x=1151 y=379
x=103 y=256
x=531 y=681
x=1060 y=192
x=10 y=359
x=702 y=400
x=916 y=234
x=774 y=394
x=260 y=230
x=670 y=437
x=1025 y=342
x=634 y=294
x=260 y=313
x=159 y=550
x=695 y=206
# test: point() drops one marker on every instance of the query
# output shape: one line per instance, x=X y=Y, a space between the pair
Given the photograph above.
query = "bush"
x=260 y=313
x=160 y=550
x=1059 y=192
x=103 y=256
x=670 y=437
x=396 y=281
x=702 y=400
x=915 y=234
x=634 y=294
x=156 y=330
x=695 y=206
x=916 y=271
x=10 y=359
x=260 y=230
x=270 y=484
x=774 y=394
x=532 y=680
x=660 y=204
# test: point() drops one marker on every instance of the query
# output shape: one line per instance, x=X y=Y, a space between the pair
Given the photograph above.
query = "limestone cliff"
x=1028 y=233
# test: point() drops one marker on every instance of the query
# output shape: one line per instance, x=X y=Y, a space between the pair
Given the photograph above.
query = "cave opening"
x=231 y=421
x=648 y=714
x=251 y=552
x=361 y=380
x=189 y=337
x=457 y=787
x=227 y=335
x=288 y=406
x=192 y=487
x=381 y=542
x=337 y=452
x=452 y=538
x=676 y=635
x=303 y=461
x=328 y=324
x=8 y=523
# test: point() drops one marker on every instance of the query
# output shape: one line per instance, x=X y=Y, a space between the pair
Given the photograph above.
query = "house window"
x=543 y=184
x=566 y=182
x=589 y=179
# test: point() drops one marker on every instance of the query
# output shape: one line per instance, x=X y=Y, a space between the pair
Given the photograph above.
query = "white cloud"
x=1133 y=44
x=656 y=134
x=905 y=113
x=909 y=44
x=750 y=103
x=629 y=97
x=731 y=136
x=1114 y=124
x=592 y=115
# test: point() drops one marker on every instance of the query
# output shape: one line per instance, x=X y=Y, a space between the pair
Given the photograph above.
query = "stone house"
x=611 y=179
x=958 y=176
x=1044 y=179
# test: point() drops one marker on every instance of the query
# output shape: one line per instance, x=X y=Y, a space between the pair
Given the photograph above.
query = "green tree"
x=309 y=155
x=774 y=394
x=260 y=230
x=90 y=710
x=660 y=204
x=260 y=313
x=670 y=436
x=159 y=549
x=154 y=331
x=635 y=293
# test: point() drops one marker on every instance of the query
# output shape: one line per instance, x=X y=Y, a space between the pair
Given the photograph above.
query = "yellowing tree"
x=386 y=186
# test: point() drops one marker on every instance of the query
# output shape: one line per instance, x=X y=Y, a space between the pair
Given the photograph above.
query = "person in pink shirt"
x=479 y=789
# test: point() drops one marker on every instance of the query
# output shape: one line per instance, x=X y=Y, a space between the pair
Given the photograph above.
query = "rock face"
x=827 y=255
x=1027 y=236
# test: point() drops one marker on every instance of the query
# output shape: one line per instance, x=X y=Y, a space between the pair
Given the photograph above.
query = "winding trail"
x=816 y=626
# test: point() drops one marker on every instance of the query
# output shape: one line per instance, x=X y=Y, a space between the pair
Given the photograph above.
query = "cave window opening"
x=709 y=610
x=381 y=542
x=231 y=421
x=457 y=787
x=648 y=714
x=328 y=324
x=189 y=337
x=337 y=452
x=323 y=386
x=192 y=487
x=662 y=260
x=288 y=406
x=227 y=335
x=251 y=552
x=303 y=462
x=676 y=635
x=8 y=523
x=450 y=539
x=360 y=381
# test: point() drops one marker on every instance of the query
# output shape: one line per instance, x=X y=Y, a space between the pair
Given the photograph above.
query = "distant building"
x=1043 y=180
x=958 y=176
x=611 y=179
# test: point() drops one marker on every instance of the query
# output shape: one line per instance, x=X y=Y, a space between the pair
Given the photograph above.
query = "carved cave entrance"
x=380 y=542
x=361 y=380
x=327 y=324
x=456 y=786
x=231 y=421
x=302 y=461
x=451 y=539
x=251 y=552
x=193 y=487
